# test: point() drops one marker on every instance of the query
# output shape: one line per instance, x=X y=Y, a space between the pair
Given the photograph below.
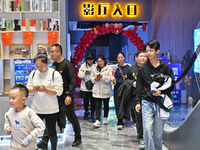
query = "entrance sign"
x=96 y=10
x=105 y=9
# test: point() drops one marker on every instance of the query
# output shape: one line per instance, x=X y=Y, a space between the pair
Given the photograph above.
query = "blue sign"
x=176 y=93
x=196 y=44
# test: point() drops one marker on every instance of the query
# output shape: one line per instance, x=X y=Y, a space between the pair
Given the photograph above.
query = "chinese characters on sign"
x=176 y=93
x=104 y=9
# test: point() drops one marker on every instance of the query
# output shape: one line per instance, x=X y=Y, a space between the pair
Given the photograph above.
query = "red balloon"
x=94 y=36
x=98 y=27
x=90 y=35
x=84 y=46
x=85 y=36
x=133 y=31
x=83 y=50
x=87 y=32
x=76 y=48
x=100 y=33
x=86 y=41
x=111 y=26
x=132 y=40
x=82 y=39
x=103 y=30
x=114 y=30
x=103 y=26
x=108 y=30
x=91 y=31
x=135 y=34
x=90 y=40
x=87 y=44
x=120 y=30
x=125 y=33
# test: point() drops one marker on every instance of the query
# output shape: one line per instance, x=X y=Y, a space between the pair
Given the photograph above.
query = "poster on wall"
x=19 y=51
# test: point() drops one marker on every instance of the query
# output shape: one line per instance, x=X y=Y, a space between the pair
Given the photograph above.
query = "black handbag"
x=89 y=85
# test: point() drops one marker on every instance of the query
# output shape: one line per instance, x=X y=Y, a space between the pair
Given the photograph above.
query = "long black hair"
x=103 y=58
x=89 y=56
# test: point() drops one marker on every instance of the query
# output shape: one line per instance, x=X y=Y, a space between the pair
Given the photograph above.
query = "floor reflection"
x=105 y=138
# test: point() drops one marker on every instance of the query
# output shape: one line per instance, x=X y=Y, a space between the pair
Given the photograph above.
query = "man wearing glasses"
x=66 y=69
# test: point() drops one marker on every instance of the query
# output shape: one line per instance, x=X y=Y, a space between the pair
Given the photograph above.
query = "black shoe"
x=76 y=143
x=92 y=119
x=86 y=114
x=42 y=145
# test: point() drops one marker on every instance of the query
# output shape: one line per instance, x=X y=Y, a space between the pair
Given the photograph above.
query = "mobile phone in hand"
x=37 y=87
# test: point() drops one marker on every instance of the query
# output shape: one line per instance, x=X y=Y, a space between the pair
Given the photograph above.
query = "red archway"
x=92 y=34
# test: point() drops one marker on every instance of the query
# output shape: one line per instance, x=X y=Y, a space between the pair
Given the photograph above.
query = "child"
x=22 y=123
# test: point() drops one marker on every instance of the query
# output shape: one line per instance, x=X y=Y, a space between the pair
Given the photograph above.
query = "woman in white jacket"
x=101 y=77
x=85 y=93
x=46 y=84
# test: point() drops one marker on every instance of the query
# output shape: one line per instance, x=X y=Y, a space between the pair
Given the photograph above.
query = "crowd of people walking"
x=53 y=101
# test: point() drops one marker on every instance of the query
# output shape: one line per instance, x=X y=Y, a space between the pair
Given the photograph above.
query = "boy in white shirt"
x=21 y=122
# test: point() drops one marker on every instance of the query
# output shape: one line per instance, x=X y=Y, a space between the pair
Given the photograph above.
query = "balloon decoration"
x=92 y=34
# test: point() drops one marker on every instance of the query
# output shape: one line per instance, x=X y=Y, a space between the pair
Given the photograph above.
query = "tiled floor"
x=105 y=138
x=108 y=137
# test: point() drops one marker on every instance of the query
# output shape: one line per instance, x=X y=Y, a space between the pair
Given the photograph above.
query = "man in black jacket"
x=66 y=69
x=152 y=123
x=140 y=58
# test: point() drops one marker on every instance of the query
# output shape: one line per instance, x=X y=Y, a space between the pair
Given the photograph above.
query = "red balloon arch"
x=92 y=34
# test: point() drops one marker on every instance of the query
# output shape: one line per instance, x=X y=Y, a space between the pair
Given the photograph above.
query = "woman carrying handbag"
x=86 y=86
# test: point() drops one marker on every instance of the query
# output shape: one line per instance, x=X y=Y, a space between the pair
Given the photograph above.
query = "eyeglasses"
x=51 y=52
x=151 y=51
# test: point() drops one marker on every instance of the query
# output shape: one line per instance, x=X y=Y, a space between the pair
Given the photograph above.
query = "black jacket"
x=124 y=93
x=66 y=69
x=144 y=80
x=132 y=75
x=69 y=79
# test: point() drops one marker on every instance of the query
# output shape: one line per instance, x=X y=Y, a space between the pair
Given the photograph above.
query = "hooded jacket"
x=144 y=80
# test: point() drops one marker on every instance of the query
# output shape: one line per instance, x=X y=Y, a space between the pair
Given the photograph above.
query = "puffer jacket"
x=102 y=89
x=83 y=76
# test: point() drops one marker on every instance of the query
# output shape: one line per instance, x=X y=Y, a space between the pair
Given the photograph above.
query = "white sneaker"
x=105 y=122
x=142 y=144
x=97 y=124
x=120 y=127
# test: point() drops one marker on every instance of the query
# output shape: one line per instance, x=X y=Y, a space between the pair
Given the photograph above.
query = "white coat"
x=102 y=89
x=83 y=76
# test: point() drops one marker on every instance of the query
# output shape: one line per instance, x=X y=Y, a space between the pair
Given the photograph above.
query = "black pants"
x=98 y=102
x=70 y=113
x=117 y=102
x=89 y=98
x=138 y=120
x=50 y=120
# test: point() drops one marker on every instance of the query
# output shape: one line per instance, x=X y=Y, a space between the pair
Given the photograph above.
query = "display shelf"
x=40 y=37
x=10 y=15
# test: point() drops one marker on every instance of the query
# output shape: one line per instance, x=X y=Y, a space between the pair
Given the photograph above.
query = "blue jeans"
x=152 y=125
